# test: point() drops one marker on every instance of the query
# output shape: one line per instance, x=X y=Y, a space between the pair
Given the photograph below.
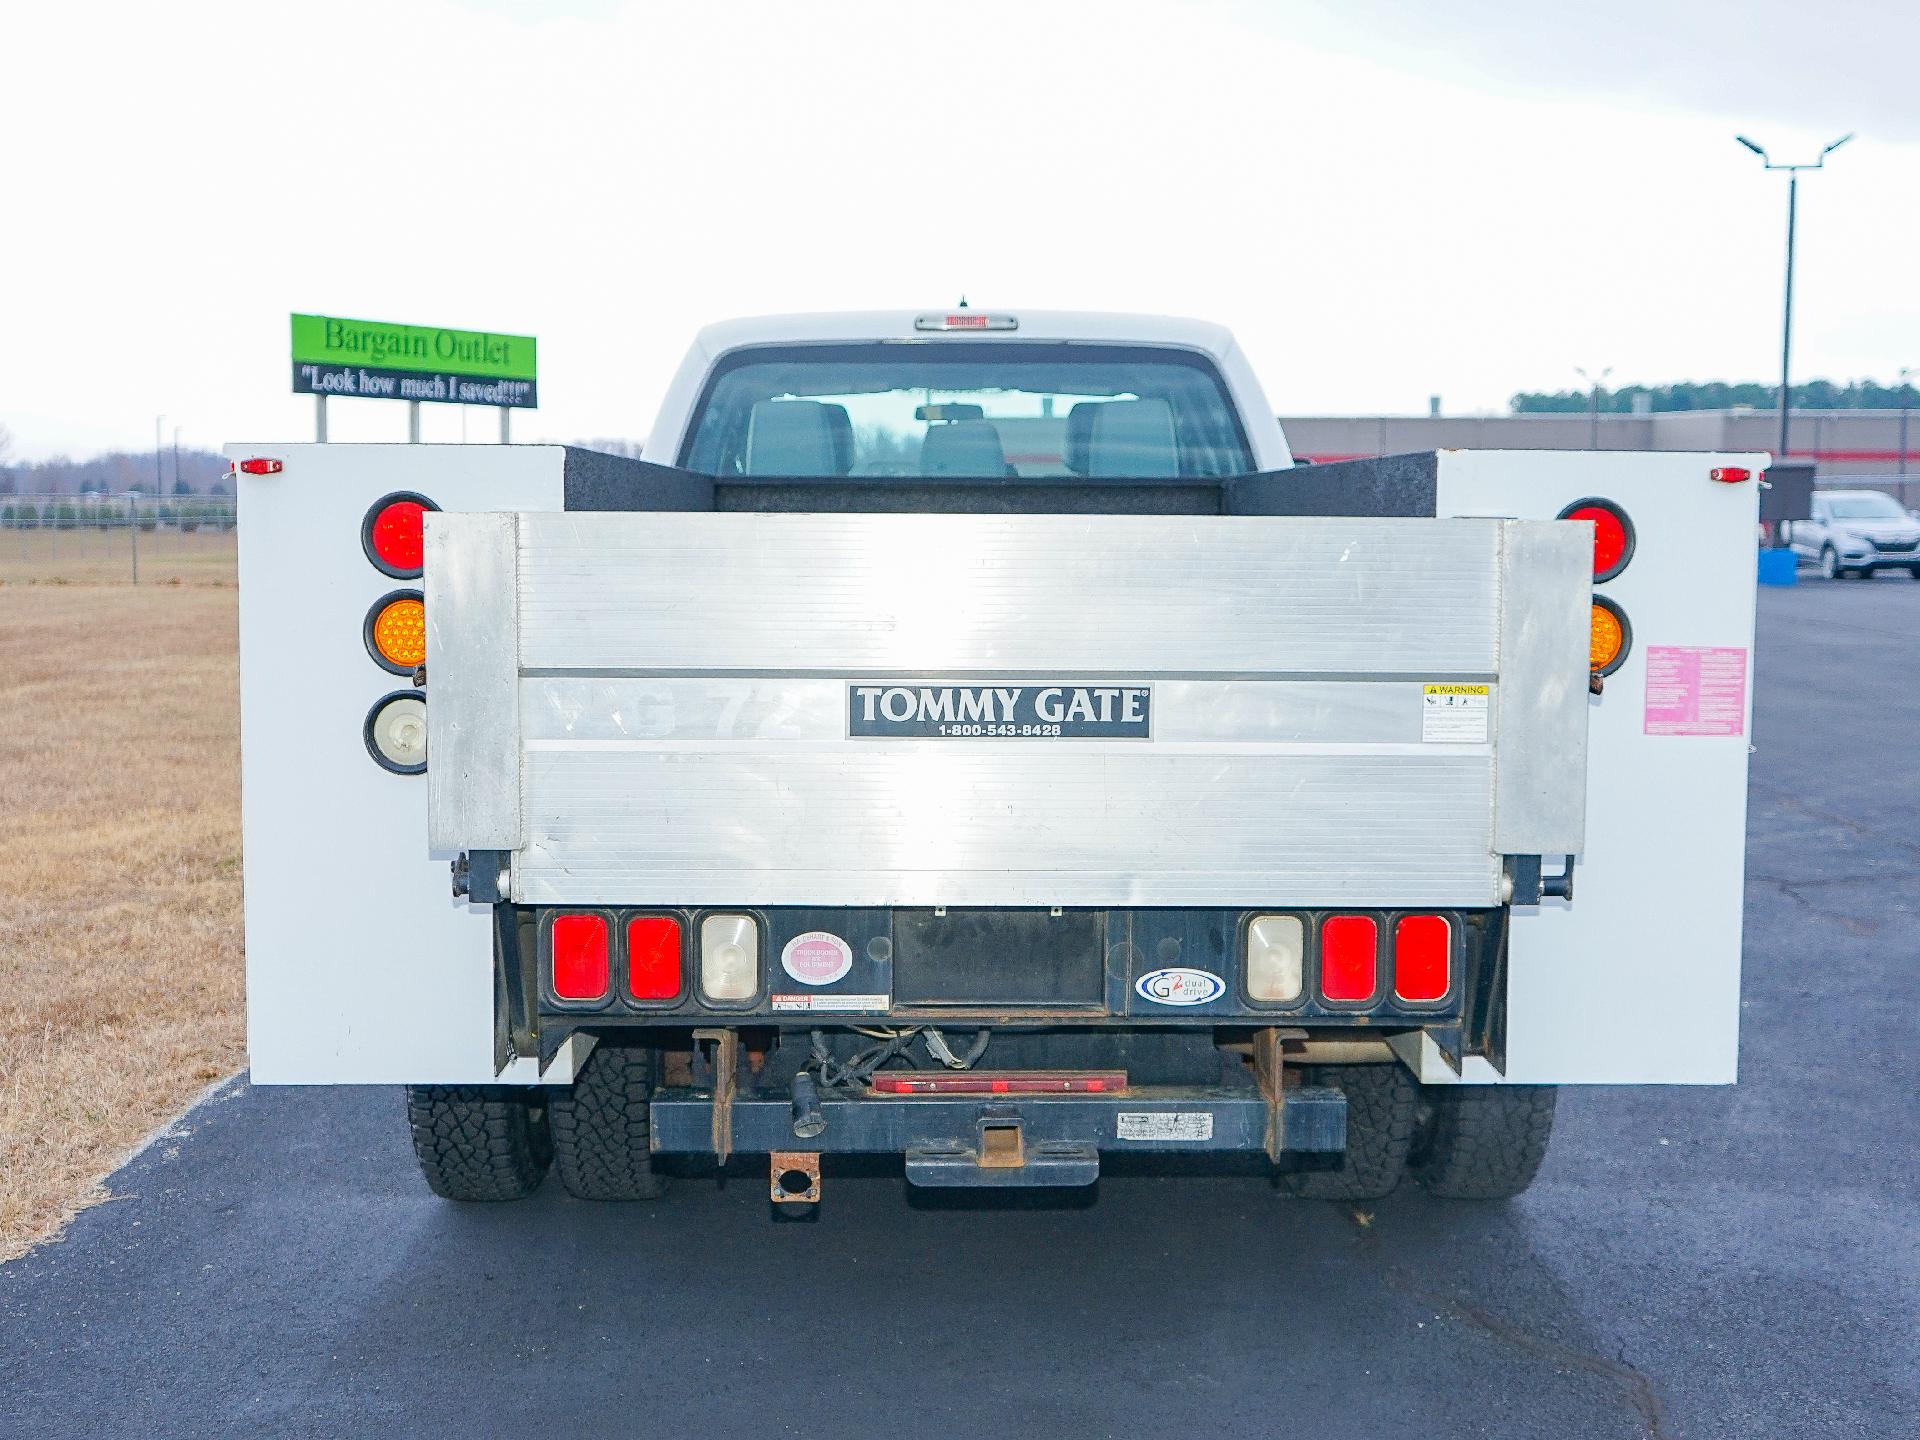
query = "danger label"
x=1164 y=1125
x=1696 y=690
x=1454 y=714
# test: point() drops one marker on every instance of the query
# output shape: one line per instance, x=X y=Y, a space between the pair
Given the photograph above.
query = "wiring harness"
x=890 y=1045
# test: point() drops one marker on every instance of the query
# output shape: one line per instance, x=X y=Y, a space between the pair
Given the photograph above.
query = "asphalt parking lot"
x=1692 y=1262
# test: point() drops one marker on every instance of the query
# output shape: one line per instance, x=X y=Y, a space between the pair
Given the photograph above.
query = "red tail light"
x=580 y=971
x=653 y=958
x=259 y=467
x=1349 y=957
x=1612 y=534
x=1422 y=958
x=1730 y=474
x=394 y=534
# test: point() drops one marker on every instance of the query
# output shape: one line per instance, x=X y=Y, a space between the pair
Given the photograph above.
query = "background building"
x=1872 y=448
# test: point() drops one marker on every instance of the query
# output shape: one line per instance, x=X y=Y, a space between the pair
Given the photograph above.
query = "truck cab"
x=1012 y=366
x=965 y=736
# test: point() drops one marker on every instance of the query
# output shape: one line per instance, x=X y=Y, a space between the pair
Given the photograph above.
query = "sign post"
x=378 y=360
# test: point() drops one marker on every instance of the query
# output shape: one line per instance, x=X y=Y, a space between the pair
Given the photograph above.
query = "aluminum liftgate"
x=686 y=709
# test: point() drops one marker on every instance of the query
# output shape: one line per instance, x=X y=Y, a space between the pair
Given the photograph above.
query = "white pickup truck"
x=967 y=736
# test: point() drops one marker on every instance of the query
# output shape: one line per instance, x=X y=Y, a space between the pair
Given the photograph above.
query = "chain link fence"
x=117 y=539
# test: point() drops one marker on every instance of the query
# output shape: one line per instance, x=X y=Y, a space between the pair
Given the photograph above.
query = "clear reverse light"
x=1276 y=958
x=729 y=957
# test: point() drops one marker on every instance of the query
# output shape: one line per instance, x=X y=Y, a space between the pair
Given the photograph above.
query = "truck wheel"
x=478 y=1142
x=1483 y=1142
x=600 y=1132
x=1382 y=1101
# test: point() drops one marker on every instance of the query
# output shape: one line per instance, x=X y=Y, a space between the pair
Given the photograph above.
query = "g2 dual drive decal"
x=1179 y=985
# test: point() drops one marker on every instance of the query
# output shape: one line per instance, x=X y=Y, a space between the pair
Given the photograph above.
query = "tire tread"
x=1485 y=1142
x=601 y=1140
x=1382 y=1104
x=477 y=1142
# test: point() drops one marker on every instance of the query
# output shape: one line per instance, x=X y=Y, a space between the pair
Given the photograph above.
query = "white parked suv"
x=1856 y=532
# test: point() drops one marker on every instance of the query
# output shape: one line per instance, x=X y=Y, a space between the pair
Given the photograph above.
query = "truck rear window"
x=968 y=409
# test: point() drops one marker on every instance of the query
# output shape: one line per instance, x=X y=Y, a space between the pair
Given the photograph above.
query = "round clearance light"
x=393 y=534
x=1612 y=637
x=1612 y=535
x=396 y=732
x=396 y=632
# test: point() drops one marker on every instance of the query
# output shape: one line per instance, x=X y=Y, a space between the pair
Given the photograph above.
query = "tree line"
x=1720 y=395
x=195 y=472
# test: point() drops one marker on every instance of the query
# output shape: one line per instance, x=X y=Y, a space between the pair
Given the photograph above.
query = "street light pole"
x=1786 y=323
x=1786 y=316
x=1906 y=374
x=1906 y=404
x=1594 y=382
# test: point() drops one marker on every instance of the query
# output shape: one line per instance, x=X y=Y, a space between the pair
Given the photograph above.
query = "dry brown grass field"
x=121 y=980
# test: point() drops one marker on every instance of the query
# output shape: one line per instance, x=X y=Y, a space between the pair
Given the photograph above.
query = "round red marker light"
x=394 y=536
x=1612 y=535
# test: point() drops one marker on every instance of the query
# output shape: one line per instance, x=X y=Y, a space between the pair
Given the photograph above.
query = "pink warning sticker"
x=1696 y=690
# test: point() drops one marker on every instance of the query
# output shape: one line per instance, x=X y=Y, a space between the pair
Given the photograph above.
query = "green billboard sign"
x=379 y=360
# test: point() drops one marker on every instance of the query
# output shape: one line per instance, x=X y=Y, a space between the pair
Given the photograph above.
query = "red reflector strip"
x=1422 y=958
x=260 y=467
x=1349 y=957
x=580 y=957
x=653 y=957
x=999 y=1082
x=1730 y=474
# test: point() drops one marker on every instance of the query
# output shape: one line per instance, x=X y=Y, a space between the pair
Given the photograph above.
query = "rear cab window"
x=1030 y=409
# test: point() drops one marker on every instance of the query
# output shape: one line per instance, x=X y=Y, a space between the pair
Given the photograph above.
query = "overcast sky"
x=1384 y=200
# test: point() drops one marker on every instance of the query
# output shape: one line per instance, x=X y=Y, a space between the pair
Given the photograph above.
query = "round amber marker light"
x=1608 y=636
x=400 y=633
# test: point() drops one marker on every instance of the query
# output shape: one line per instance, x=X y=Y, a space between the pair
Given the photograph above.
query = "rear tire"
x=478 y=1142
x=601 y=1135
x=1382 y=1102
x=1483 y=1142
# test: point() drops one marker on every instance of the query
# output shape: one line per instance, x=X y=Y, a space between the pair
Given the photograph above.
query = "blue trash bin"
x=1778 y=567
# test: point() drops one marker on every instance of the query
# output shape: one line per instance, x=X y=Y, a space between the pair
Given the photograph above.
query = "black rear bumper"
x=1011 y=1139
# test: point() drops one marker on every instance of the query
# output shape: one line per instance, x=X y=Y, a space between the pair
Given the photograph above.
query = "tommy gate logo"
x=1180 y=986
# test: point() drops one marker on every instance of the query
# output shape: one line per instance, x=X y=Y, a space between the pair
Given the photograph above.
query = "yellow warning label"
x=1454 y=714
